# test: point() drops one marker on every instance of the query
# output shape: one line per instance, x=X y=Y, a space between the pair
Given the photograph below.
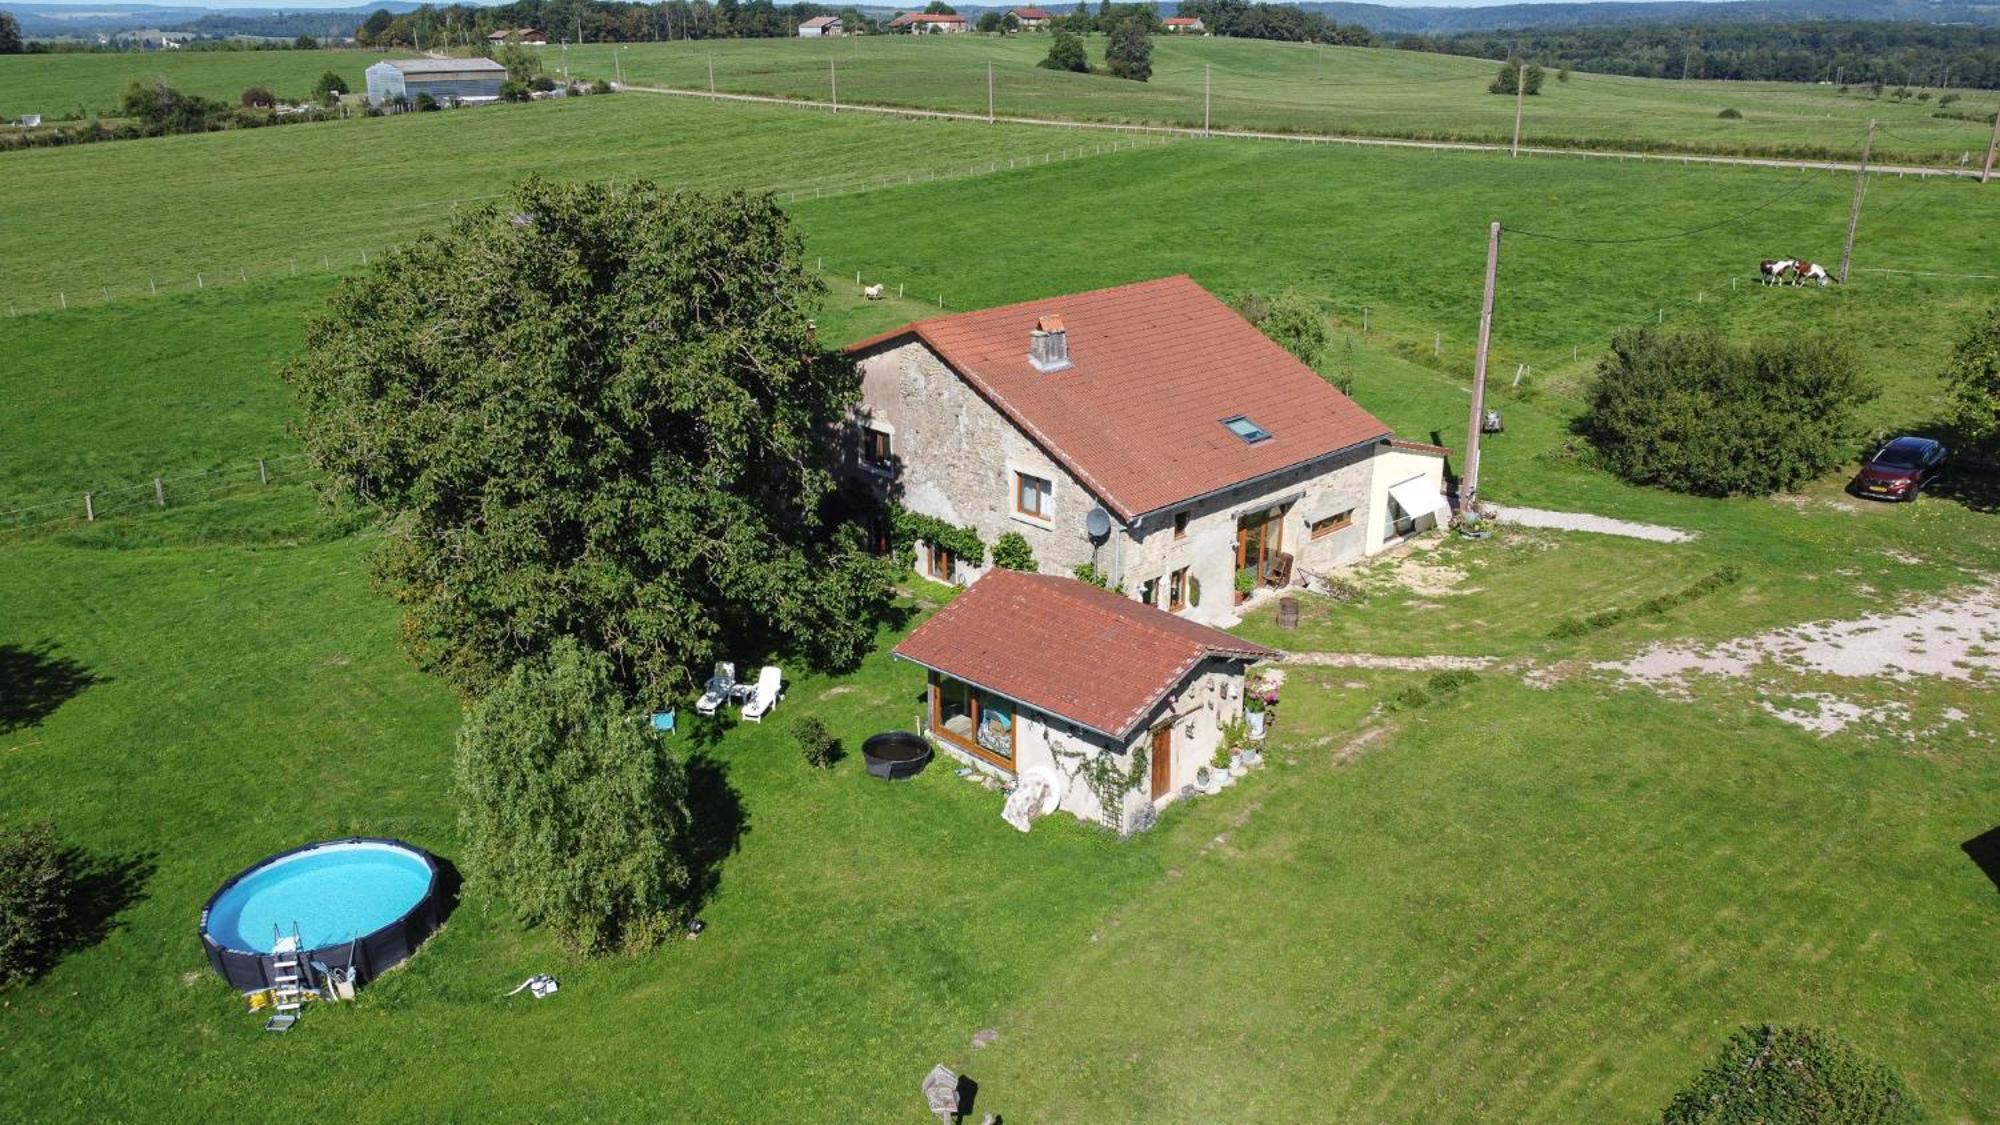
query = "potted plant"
x=1204 y=780
x=1219 y=766
x=1246 y=581
x=1253 y=712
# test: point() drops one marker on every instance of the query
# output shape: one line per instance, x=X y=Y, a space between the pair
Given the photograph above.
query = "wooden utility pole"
x=1854 y=212
x=1520 y=93
x=833 y=77
x=1205 y=86
x=989 y=93
x=1991 y=145
x=711 y=74
x=1468 y=477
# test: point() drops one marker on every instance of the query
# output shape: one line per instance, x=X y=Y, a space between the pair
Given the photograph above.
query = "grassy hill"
x=61 y=86
x=1532 y=902
x=1309 y=89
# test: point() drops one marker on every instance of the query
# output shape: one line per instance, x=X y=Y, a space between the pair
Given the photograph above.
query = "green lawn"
x=1520 y=903
x=62 y=86
x=1309 y=89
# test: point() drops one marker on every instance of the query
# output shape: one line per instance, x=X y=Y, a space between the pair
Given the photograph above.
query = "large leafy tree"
x=1694 y=412
x=1973 y=376
x=1793 y=1076
x=10 y=35
x=598 y=412
x=1129 y=52
x=35 y=889
x=572 y=807
x=1066 y=53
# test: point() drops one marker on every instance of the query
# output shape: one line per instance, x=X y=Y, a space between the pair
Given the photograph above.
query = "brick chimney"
x=1048 y=345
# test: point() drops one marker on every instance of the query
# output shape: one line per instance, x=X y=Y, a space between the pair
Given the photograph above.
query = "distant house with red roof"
x=1184 y=25
x=1031 y=19
x=1146 y=430
x=1033 y=676
x=928 y=23
x=821 y=27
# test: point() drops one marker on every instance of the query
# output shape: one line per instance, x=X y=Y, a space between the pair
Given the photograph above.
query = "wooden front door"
x=1163 y=760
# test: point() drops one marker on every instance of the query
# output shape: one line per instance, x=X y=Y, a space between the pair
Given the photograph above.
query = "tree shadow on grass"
x=1984 y=850
x=717 y=822
x=101 y=889
x=35 y=681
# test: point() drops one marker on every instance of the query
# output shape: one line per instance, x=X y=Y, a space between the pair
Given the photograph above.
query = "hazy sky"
x=305 y=5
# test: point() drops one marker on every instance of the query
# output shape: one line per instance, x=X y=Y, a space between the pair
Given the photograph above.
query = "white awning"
x=1418 y=499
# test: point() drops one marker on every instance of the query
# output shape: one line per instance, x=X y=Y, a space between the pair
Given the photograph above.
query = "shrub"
x=600 y=86
x=1730 y=113
x=1011 y=552
x=1946 y=99
x=424 y=103
x=329 y=88
x=1695 y=413
x=817 y=745
x=258 y=97
x=1066 y=53
x=35 y=889
x=1090 y=575
x=512 y=91
x=1447 y=682
x=1129 y=52
x=1510 y=76
x=572 y=808
x=1792 y=1076
x=1972 y=377
x=541 y=83
x=1562 y=75
x=1290 y=319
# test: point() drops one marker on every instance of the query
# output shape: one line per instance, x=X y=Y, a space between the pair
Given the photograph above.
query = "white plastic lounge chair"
x=718 y=689
x=764 y=697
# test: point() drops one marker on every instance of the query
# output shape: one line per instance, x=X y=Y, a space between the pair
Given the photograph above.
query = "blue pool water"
x=335 y=892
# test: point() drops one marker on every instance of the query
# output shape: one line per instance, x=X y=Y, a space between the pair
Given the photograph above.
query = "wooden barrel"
x=1288 y=612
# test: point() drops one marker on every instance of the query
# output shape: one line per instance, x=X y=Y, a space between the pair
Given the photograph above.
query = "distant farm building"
x=153 y=39
x=926 y=23
x=1031 y=19
x=527 y=35
x=397 y=81
x=1184 y=25
x=821 y=27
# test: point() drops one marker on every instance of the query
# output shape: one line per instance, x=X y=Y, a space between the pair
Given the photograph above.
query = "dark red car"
x=1899 y=470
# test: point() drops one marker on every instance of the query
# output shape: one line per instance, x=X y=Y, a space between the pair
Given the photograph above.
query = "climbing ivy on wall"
x=907 y=527
x=1106 y=779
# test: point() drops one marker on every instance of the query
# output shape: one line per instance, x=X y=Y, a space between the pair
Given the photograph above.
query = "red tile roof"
x=1071 y=650
x=821 y=21
x=1180 y=21
x=1155 y=368
x=908 y=18
x=1030 y=13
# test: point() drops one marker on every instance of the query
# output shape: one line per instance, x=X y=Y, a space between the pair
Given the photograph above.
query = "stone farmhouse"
x=1031 y=19
x=929 y=23
x=1146 y=430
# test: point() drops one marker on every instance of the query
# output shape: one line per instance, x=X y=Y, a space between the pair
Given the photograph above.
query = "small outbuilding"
x=399 y=81
x=821 y=27
x=1184 y=25
x=1039 y=678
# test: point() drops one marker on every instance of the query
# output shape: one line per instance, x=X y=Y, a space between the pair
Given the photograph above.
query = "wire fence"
x=237 y=477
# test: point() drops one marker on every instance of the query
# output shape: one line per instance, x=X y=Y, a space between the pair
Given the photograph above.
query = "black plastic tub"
x=895 y=755
x=248 y=964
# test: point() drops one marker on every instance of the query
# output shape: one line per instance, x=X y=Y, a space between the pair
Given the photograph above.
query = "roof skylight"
x=1249 y=431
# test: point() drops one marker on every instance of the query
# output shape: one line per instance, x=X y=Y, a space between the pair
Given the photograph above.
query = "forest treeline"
x=1847 y=52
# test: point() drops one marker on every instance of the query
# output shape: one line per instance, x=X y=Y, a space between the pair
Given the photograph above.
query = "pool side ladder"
x=288 y=961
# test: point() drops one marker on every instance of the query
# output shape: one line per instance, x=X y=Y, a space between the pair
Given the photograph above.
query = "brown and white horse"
x=1772 y=271
x=1803 y=272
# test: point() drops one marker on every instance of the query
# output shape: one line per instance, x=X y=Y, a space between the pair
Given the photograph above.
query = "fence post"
x=62 y=299
x=154 y=286
x=89 y=509
x=242 y=273
x=1364 y=320
x=105 y=292
x=1437 y=343
x=159 y=492
x=263 y=474
x=199 y=282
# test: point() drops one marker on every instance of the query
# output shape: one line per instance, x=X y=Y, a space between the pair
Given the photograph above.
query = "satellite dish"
x=1098 y=523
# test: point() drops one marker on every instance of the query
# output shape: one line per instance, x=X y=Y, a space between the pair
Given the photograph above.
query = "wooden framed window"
x=1034 y=496
x=977 y=722
x=877 y=448
x=1180 y=525
x=1177 y=590
x=1340 y=521
x=938 y=562
x=1149 y=591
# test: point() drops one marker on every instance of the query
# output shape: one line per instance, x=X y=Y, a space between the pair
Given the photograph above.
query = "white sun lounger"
x=770 y=685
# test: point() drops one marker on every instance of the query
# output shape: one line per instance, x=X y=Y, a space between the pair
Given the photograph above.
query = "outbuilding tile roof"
x=1068 y=649
x=1156 y=368
x=445 y=66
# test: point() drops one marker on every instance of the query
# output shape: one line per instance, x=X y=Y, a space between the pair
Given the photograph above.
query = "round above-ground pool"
x=895 y=755
x=360 y=905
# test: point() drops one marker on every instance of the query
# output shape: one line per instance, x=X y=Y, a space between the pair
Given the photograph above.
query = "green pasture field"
x=1520 y=903
x=1309 y=89
x=67 y=86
